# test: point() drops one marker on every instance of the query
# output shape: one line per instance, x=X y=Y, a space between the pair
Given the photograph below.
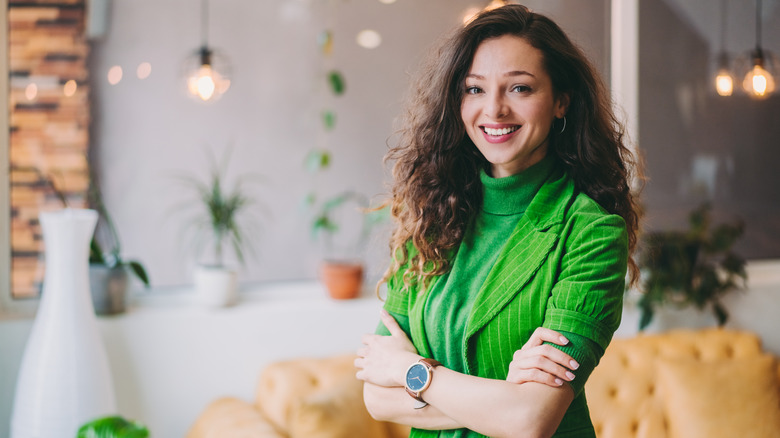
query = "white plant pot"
x=215 y=286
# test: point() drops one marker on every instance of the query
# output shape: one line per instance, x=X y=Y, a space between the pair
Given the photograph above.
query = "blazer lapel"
x=521 y=257
x=525 y=251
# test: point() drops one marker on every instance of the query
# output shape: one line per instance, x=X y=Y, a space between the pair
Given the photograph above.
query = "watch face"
x=417 y=377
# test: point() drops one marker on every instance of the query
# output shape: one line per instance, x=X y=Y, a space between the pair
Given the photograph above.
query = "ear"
x=561 y=105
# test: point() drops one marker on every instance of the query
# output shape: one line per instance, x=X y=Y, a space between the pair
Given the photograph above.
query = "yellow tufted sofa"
x=681 y=384
x=301 y=398
x=686 y=384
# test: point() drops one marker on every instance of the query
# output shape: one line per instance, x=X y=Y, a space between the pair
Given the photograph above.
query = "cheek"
x=541 y=114
x=467 y=113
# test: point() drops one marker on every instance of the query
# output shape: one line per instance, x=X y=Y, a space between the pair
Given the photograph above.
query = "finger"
x=541 y=335
x=543 y=364
x=548 y=351
x=362 y=352
x=390 y=323
x=367 y=338
x=359 y=363
x=534 y=375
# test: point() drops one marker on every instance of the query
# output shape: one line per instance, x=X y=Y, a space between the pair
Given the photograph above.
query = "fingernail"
x=570 y=375
x=574 y=365
x=564 y=341
x=558 y=382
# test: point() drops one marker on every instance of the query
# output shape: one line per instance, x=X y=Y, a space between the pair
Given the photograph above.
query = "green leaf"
x=323 y=223
x=139 y=271
x=336 y=81
x=646 y=318
x=310 y=199
x=317 y=159
x=96 y=253
x=720 y=313
x=113 y=427
x=329 y=119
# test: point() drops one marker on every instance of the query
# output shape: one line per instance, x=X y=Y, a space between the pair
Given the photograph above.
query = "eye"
x=521 y=88
x=473 y=90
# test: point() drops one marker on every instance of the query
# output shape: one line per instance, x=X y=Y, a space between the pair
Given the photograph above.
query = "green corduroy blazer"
x=563 y=267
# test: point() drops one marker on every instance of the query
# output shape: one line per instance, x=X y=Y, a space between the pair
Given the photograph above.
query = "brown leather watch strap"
x=430 y=364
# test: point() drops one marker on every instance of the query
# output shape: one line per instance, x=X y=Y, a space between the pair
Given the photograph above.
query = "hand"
x=383 y=360
x=541 y=363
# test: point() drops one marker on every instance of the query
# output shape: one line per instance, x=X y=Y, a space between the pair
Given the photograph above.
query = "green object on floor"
x=113 y=427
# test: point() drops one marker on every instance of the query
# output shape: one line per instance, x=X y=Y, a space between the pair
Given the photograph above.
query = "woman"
x=515 y=225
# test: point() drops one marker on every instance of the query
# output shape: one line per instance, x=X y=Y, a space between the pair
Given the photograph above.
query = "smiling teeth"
x=502 y=131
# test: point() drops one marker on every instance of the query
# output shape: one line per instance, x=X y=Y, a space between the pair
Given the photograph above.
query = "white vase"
x=215 y=286
x=64 y=378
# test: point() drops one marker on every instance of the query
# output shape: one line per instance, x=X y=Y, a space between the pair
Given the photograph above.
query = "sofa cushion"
x=621 y=392
x=229 y=417
x=283 y=384
x=319 y=398
x=334 y=412
x=726 y=398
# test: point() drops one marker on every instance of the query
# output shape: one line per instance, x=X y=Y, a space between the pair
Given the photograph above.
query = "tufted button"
x=612 y=392
x=729 y=351
x=650 y=389
x=634 y=426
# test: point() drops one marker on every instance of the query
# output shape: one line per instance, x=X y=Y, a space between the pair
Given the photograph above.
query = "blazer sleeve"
x=396 y=304
x=587 y=298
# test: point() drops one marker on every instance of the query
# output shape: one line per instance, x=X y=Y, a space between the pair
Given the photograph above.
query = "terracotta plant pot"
x=342 y=279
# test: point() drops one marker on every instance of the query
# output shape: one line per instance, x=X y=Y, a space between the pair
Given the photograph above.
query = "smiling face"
x=510 y=104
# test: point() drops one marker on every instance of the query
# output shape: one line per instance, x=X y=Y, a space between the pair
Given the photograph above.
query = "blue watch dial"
x=417 y=377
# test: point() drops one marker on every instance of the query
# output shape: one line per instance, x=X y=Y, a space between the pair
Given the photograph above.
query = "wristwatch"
x=418 y=378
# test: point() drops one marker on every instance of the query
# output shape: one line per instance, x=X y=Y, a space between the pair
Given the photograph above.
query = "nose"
x=496 y=106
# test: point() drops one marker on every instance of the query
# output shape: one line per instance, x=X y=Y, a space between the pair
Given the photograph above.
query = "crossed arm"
x=491 y=407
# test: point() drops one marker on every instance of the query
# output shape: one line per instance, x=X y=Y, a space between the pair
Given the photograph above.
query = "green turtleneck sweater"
x=452 y=296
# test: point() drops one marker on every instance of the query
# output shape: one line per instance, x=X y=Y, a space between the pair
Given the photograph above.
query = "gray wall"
x=145 y=131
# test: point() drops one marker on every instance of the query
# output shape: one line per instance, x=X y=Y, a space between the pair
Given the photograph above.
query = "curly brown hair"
x=437 y=189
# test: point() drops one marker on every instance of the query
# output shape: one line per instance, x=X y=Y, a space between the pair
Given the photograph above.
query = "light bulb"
x=203 y=83
x=724 y=84
x=206 y=75
x=758 y=83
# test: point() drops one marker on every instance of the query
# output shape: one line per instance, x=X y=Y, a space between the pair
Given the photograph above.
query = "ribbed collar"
x=512 y=194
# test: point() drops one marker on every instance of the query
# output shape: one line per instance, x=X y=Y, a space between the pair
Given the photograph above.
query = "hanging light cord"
x=723 y=15
x=204 y=15
x=758 y=26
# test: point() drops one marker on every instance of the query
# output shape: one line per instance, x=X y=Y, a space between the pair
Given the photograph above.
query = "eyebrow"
x=507 y=74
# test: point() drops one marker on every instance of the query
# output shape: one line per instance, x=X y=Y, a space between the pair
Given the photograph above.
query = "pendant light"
x=758 y=82
x=724 y=82
x=206 y=70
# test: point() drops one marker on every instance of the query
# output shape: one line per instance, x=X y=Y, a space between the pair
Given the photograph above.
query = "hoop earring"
x=564 y=125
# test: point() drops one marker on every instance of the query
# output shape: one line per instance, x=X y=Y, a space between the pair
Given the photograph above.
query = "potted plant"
x=108 y=276
x=343 y=222
x=113 y=427
x=691 y=268
x=108 y=279
x=218 y=229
